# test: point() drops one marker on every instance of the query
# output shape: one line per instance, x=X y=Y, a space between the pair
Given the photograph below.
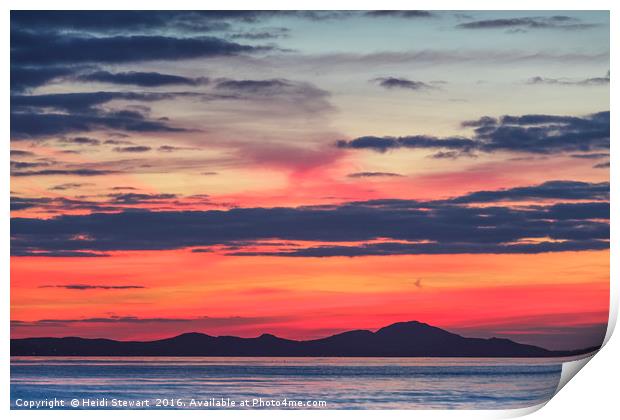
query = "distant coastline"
x=402 y=339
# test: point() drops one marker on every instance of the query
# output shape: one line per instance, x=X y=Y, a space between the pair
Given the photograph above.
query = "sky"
x=308 y=173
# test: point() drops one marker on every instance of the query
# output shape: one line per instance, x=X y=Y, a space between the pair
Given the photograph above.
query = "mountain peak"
x=189 y=336
x=267 y=336
x=407 y=326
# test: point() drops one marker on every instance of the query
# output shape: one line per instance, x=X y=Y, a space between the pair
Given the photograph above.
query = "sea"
x=280 y=383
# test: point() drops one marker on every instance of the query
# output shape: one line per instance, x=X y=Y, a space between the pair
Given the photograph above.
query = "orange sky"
x=309 y=297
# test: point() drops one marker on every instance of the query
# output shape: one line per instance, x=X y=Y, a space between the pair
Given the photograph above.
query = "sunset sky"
x=307 y=173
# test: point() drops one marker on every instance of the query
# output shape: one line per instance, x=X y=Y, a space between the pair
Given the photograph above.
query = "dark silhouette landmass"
x=403 y=339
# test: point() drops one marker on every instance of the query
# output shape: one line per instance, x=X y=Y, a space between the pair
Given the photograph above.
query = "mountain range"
x=402 y=339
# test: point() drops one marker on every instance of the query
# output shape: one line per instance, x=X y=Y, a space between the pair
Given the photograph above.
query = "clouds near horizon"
x=446 y=226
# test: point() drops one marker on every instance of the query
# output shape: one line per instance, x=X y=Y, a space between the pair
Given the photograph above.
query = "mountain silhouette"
x=402 y=339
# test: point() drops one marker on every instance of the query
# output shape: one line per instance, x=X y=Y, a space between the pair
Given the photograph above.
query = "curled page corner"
x=570 y=369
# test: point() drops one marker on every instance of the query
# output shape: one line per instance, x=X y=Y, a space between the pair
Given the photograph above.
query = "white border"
x=596 y=385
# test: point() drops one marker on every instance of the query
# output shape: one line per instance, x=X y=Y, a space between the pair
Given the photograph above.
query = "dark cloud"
x=270 y=33
x=71 y=254
x=401 y=83
x=122 y=199
x=553 y=22
x=68 y=186
x=132 y=149
x=542 y=134
x=27 y=165
x=21 y=153
x=202 y=250
x=592 y=81
x=108 y=22
x=84 y=112
x=34 y=124
x=118 y=142
x=453 y=154
x=168 y=148
x=88 y=141
x=546 y=133
x=121 y=21
x=78 y=102
x=144 y=79
x=72 y=172
x=482 y=121
x=315 y=15
x=559 y=190
x=90 y=287
x=66 y=49
x=200 y=322
x=108 y=320
x=399 y=248
x=603 y=165
x=262 y=87
x=19 y=203
x=373 y=174
x=60 y=204
x=448 y=226
x=136 y=198
x=382 y=144
x=81 y=112
x=26 y=78
x=405 y=14
x=590 y=155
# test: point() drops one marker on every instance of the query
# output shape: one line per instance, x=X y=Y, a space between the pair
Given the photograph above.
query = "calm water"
x=343 y=383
